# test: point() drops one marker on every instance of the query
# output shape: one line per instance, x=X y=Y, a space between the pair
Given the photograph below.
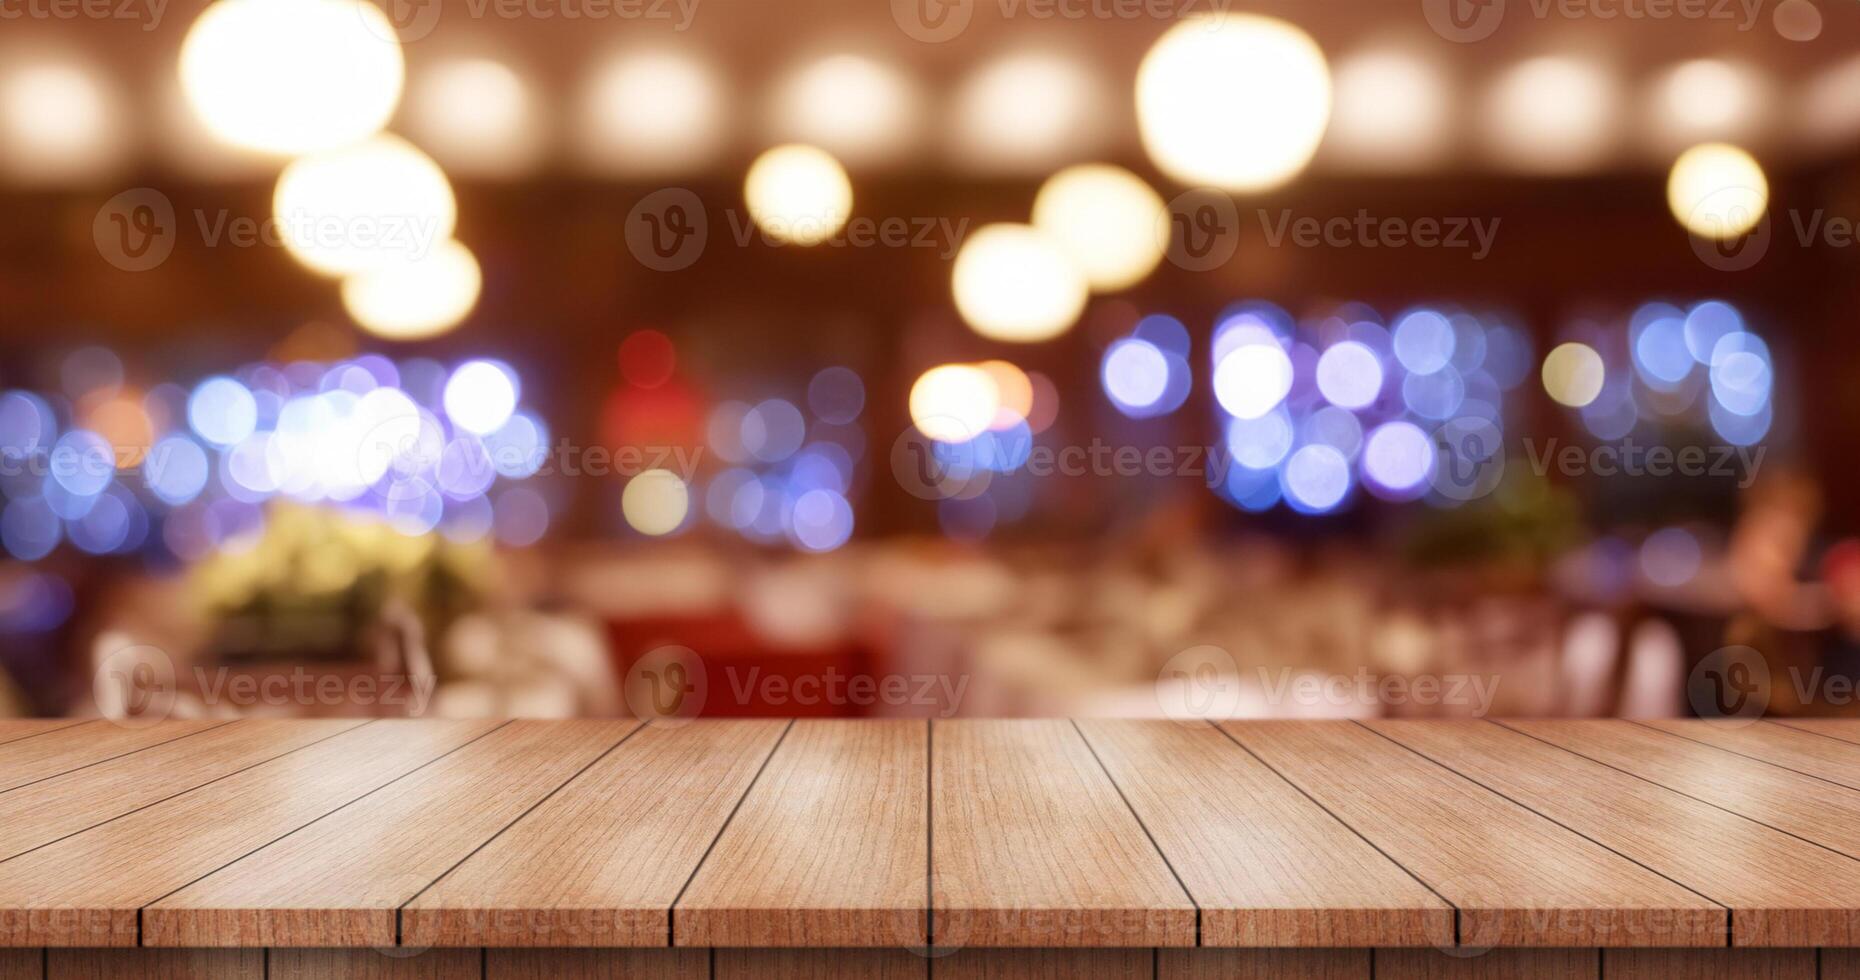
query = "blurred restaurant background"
x=934 y=357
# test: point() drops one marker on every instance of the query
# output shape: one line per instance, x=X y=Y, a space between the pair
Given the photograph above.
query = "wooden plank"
x=1805 y=752
x=1032 y=846
x=1700 y=964
x=601 y=861
x=30 y=760
x=341 y=881
x=1807 y=807
x=818 y=964
x=1046 y=964
x=1517 y=878
x=1496 y=964
x=155 y=964
x=1845 y=729
x=1267 y=866
x=35 y=815
x=597 y=964
x=375 y=964
x=1782 y=891
x=829 y=849
x=1263 y=964
x=14 y=729
x=22 y=964
x=1840 y=964
x=86 y=890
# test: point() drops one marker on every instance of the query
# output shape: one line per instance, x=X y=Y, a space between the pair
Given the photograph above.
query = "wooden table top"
x=980 y=833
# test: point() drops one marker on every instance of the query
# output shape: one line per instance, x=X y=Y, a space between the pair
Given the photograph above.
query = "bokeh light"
x=480 y=396
x=476 y=116
x=1717 y=191
x=1392 y=114
x=1107 y=220
x=857 y=108
x=417 y=298
x=1234 y=101
x=60 y=122
x=292 y=76
x=655 y=502
x=1015 y=283
x=954 y=403
x=1349 y=374
x=1026 y=111
x=1552 y=114
x=798 y=194
x=1252 y=379
x=1573 y=374
x=651 y=113
x=363 y=206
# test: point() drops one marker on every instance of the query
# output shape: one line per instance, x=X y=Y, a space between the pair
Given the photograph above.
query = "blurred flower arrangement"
x=316 y=579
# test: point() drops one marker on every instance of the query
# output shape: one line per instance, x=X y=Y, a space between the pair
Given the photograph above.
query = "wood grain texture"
x=1267 y=866
x=1699 y=964
x=32 y=816
x=14 y=729
x=819 y=964
x=62 y=750
x=1263 y=964
x=22 y=964
x=1496 y=964
x=375 y=964
x=830 y=848
x=85 y=890
x=1806 y=752
x=155 y=964
x=597 y=964
x=1840 y=964
x=1806 y=895
x=1032 y=846
x=1807 y=807
x=1517 y=878
x=1845 y=729
x=601 y=861
x=341 y=880
x=1046 y=964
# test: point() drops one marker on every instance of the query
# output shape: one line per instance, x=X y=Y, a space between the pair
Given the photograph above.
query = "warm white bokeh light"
x=859 y=109
x=1704 y=99
x=476 y=116
x=1026 y=112
x=1717 y=191
x=1015 y=283
x=1552 y=115
x=1829 y=105
x=292 y=76
x=1392 y=112
x=1107 y=219
x=798 y=194
x=1234 y=101
x=1573 y=374
x=1013 y=393
x=374 y=203
x=652 y=113
x=59 y=123
x=954 y=403
x=418 y=299
x=655 y=502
